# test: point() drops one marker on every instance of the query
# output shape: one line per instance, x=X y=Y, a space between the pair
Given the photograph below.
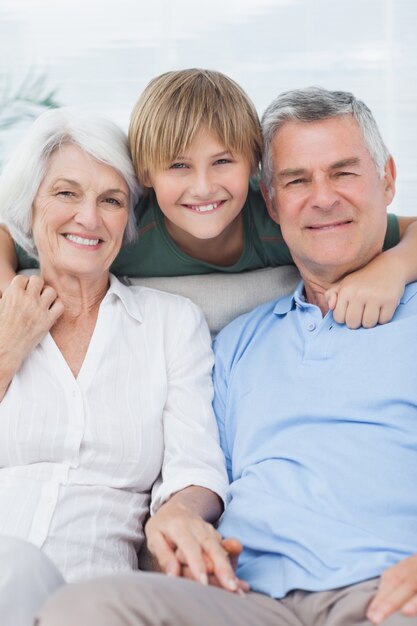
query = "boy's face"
x=202 y=191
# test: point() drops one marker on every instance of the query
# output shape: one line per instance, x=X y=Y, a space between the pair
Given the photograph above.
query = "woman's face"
x=79 y=213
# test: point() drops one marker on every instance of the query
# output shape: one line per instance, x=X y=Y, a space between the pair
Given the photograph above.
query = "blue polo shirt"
x=319 y=427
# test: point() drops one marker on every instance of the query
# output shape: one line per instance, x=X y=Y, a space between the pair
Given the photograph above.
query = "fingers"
x=410 y=608
x=222 y=567
x=242 y=586
x=397 y=592
x=28 y=309
x=165 y=555
x=204 y=554
x=231 y=549
x=356 y=313
x=384 y=605
x=331 y=295
x=364 y=299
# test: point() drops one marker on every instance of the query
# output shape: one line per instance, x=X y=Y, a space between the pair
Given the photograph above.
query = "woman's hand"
x=28 y=309
x=233 y=548
x=179 y=538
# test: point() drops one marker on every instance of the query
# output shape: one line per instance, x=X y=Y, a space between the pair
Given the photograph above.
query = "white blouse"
x=79 y=456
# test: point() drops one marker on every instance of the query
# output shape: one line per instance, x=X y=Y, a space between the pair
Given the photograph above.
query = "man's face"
x=328 y=197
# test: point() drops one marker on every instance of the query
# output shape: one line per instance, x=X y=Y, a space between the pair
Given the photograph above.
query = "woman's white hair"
x=23 y=174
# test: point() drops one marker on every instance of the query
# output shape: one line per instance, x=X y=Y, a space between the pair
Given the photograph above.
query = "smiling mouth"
x=329 y=226
x=82 y=241
x=204 y=208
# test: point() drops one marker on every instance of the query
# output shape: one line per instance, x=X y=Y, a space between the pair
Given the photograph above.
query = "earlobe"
x=270 y=204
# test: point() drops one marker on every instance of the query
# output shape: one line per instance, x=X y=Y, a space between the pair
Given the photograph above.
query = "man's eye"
x=296 y=181
x=177 y=166
x=341 y=174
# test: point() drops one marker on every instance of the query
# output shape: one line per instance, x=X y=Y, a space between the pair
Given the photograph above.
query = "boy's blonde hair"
x=176 y=105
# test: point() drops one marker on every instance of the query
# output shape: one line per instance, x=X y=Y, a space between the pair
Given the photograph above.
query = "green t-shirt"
x=155 y=254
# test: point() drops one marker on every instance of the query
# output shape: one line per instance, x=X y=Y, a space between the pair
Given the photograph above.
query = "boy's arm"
x=371 y=295
x=8 y=258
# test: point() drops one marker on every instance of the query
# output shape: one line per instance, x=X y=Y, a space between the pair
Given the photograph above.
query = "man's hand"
x=28 y=309
x=397 y=592
x=179 y=537
x=368 y=296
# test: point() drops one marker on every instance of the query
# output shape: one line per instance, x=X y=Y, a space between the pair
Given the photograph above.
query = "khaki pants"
x=148 y=599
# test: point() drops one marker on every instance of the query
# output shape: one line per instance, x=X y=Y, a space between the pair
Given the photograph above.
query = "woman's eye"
x=65 y=194
x=113 y=201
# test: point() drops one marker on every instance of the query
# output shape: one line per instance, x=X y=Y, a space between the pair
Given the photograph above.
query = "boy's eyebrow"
x=180 y=157
x=222 y=153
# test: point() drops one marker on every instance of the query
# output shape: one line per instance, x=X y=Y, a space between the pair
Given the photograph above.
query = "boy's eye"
x=222 y=161
x=177 y=166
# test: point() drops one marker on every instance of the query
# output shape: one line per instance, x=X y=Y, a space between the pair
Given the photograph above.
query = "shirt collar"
x=287 y=303
x=127 y=295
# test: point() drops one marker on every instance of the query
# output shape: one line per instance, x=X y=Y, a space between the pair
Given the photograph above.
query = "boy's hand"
x=28 y=309
x=397 y=592
x=368 y=296
x=179 y=537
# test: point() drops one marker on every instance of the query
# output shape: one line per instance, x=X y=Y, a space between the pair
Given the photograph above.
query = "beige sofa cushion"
x=222 y=297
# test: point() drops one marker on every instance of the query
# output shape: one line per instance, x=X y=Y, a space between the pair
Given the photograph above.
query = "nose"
x=87 y=214
x=323 y=195
x=203 y=185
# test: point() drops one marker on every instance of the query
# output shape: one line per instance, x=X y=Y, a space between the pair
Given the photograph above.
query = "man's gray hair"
x=19 y=183
x=312 y=104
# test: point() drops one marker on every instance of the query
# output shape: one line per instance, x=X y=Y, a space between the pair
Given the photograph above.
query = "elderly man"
x=318 y=422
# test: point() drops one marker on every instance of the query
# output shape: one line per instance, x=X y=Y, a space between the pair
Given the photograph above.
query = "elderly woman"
x=105 y=389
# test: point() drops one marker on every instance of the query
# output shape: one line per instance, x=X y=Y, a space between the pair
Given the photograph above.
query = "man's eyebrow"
x=345 y=163
x=291 y=172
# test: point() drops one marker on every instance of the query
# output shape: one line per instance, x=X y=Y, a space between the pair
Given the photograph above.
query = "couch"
x=222 y=297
